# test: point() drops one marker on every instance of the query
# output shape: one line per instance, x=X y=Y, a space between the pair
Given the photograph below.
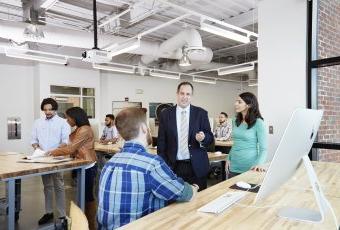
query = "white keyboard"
x=222 y=203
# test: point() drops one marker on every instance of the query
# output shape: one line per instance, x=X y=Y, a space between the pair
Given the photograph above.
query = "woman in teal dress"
x=249 y=149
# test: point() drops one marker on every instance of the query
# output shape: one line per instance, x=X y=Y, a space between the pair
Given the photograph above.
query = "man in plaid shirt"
x=134 y=183
x=223 y=129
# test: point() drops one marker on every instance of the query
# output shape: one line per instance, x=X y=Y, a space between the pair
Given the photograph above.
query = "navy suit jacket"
x=167 y=141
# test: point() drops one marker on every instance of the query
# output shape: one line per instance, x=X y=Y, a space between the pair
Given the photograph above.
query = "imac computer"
x=293 y=150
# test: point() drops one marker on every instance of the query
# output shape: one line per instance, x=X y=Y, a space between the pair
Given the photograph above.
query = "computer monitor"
x=293 y=149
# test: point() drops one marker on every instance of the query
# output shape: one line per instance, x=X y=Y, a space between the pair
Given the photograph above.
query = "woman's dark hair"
x=253 y=110
x=49 y=101
x=78 y=115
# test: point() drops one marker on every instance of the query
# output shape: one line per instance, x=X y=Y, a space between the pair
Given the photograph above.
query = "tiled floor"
x=32 y=202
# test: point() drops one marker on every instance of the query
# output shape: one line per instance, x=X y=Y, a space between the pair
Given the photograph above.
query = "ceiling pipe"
x=191 y=39
x=84 y=40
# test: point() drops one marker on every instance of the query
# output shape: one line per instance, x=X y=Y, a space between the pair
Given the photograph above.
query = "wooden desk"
x=114 y=148
x=10 y=170
x=294 y=193
x=224 y=143
x=223 y=146
x=110 y=150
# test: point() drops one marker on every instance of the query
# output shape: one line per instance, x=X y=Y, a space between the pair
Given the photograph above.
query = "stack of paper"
x=37 y=153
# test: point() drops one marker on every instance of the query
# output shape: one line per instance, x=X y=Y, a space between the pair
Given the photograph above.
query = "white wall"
x=16 y=100
x=213 y=98
x=33 y=81
x=68 y=76
x=23 y=86
x=282 y=62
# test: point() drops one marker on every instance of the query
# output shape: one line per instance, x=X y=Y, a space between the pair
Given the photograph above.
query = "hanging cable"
x=95 y=25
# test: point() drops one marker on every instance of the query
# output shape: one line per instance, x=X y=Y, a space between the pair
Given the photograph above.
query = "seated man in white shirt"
x=223 y=129
x=110 y=133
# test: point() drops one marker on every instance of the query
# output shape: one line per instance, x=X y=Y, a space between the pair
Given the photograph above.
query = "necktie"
x=184 y=135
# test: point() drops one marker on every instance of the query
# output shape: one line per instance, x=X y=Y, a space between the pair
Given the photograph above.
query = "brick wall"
x=329 y=77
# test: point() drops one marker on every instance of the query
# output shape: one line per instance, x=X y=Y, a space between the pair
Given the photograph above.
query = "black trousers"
x=232 y=174
x=90 y=176
x=184 y=170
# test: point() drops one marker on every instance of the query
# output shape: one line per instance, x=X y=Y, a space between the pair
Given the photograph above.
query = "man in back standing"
x=49 y=133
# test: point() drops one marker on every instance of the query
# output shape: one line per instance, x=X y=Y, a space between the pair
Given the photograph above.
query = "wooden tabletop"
x=295 y=193
x=217 y=157
x=9 y=167
x=224 y=143
x=114 y=148
x=107 y=148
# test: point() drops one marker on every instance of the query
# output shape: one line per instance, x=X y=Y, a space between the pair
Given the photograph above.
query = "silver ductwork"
x=150 y=51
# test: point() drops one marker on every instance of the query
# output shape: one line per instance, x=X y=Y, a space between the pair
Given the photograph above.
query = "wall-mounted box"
x=14 y=128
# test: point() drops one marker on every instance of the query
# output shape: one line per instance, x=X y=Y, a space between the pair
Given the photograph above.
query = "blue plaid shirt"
x=134 y=183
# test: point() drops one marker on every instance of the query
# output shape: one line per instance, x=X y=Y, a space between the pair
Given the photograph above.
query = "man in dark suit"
x=183 y=137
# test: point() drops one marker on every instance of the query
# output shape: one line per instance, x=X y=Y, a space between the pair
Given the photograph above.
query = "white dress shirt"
x=186 y=155
x=50 y=133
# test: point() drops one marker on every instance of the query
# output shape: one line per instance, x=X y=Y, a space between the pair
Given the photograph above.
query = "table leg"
x=100 y=161
x=11 y=204
x=81 y=188
x=224 y=174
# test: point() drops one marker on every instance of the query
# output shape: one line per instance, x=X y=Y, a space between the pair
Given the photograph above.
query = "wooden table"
x=244 y=215
x=223 y=146
x=106 y=148
x=109 y=150
x=114 y=148
x=10 y=170
x=224 y=143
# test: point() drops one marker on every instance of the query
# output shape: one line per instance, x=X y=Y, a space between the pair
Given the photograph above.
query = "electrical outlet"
x=271 y=129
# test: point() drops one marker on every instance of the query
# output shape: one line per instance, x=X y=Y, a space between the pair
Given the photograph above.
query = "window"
x=68 y=96
x=117 y=106
x=324 y=75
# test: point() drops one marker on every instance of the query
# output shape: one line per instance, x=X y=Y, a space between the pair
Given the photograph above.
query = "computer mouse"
x=242 y=184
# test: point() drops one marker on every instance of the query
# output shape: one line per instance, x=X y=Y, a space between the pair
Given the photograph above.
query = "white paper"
x=37 y=153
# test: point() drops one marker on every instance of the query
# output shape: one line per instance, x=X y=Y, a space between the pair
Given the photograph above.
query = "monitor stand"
x=308 y=215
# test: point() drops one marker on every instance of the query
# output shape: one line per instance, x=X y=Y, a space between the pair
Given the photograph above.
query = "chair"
x=78 y=218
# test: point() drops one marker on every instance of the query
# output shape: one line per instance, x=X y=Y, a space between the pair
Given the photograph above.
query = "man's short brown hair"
x=185 y=83
x=128 y=122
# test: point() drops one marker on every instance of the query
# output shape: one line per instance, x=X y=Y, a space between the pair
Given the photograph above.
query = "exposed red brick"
x=329 y=77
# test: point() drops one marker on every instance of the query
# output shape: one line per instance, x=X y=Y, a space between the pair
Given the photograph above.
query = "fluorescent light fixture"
x=204 y=80
x=48 y=4
x=125 y=47
x=117 y=68
x=224 y=33
x=36 y=55
x=244 y=67
x=165 y=74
